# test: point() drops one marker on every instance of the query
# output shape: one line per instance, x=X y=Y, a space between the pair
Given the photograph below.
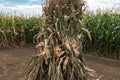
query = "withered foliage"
x=60 y=43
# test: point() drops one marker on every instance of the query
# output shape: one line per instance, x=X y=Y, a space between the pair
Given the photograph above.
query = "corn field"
x=61 y=36
x=104 y=29
x=15 y=30
x=105 y=32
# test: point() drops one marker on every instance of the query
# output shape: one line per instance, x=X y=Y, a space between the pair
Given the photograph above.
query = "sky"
x=34 y=7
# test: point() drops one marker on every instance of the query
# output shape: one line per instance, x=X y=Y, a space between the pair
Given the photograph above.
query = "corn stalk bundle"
x=60 y=43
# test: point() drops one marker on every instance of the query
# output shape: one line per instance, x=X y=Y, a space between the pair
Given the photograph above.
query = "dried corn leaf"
x=39 y=35
x=8 y=31
x=1 y=30
x=39 y=45
x=77 y=53
x=60 y=31
x=88 y=33
x=57 y=50
x=65 y=63
x=67 y=44
x=46 y=58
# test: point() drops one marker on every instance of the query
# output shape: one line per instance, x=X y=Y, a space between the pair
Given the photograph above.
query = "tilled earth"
x=13 y=62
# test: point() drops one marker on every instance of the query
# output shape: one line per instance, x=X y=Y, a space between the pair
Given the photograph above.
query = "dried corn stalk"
x=60 y=44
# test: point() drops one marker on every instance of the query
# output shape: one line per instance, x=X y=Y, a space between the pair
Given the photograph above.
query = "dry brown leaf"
x=76 y=49
x=57 y=50
x=39 y=47
x=39 y=35
x=61 y=53
x=99 y=77
x=16 y=33
x=79 y=36
x=46 y=56
x=58 y=34
x=8 y=30
x=67 y=44
x=77 y=53
x=91 y=74
x=74 y=45
x=88 y=69
x=65 y=63
x=49 y=29
x=66 y=18
x=88 y=33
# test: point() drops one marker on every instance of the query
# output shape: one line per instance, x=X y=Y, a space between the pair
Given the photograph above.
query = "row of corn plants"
x=15 y=30
x=105 y=31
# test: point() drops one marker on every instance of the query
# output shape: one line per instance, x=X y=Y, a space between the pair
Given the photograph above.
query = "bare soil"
x=13 y=62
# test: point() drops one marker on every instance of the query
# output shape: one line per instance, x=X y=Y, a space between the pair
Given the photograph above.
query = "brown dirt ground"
x=13 y=62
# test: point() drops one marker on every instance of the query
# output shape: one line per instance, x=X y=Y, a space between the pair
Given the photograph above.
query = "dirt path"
x=13 y=62
x=109 y=69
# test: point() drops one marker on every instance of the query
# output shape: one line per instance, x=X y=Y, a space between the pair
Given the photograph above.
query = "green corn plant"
x=105 y=31
x=16 y=30
x=4 y=40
